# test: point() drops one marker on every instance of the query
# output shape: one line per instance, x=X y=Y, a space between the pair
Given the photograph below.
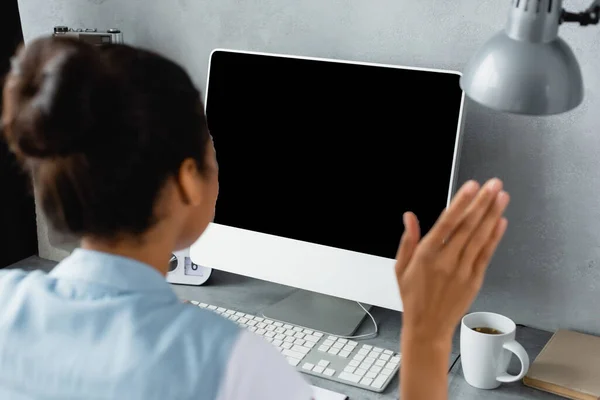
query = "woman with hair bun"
x=116 y=142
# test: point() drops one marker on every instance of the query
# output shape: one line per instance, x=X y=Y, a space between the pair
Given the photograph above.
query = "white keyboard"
x=319 y=354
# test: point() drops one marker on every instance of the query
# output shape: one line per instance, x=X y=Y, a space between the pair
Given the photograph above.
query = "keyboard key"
x=343 y=341
x=371 y=375
x=354 y=363
x=374 y=355
x=366 y=381
x=369 y=360
x=230 y=312
x=395 y=360
x=349 y=369
x=212 y=307
x=375 y=369
x=391 y=365
x=328 y=342
x=238 y=314
x=311 y=338
x=268 y=321
x=334 y=338
x=329 y=372
x=318 y=334
x=324 y=348
x=300 y=349
x=287 y=326
x=367 y=347
x=318 y=370
x=377 y=349
x=388 y=352
x=310 y=345
x=299 y=335
x=259 y=319
x=352 y=343
x=365 y=365
x=378 y=383
x=287 y=345
x=293 y=361
x=349 y=377
x=270 y=334
x=338 y=345
x=308 y=366
x=277 y=324
x=358 y=357
x=294 y=354
x=384 y=357
x=221 y=309
x=386 y=372
x=348 y=348
x=308 y=331
x=289 y=339
x=360 y=372
x=323 y=363
x=380 y=363
x=344 y=353
x=333 y=351
x=297 y=329
x=363 y=352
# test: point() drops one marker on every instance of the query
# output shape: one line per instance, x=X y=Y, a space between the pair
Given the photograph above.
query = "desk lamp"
x=527 y=68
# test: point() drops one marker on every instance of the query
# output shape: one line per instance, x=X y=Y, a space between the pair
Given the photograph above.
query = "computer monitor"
x=318 y=161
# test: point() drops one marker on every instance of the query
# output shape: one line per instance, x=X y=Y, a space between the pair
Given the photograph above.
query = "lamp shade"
x=526 y=68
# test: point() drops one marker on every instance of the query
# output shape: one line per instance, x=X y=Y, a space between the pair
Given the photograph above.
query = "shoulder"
x=257 y=370
x=191 y=346
x=12 y=276
x=11 y=279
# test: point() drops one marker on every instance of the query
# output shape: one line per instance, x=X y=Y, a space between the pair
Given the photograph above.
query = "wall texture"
x=547 y=272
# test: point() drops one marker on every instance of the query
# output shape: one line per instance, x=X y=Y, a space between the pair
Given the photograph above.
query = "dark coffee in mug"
x=487 y=331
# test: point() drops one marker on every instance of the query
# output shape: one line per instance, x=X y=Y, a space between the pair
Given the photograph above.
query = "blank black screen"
x=330 y=153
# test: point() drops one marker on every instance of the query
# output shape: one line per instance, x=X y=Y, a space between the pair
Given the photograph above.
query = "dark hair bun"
x=54 y=92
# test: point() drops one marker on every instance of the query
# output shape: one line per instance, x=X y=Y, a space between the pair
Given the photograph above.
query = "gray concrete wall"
x=547 y=271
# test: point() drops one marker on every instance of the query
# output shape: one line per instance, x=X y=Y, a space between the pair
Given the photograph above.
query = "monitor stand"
x=320 y=312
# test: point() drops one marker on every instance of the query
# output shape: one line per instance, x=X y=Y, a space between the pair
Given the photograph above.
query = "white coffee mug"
x=485 y=357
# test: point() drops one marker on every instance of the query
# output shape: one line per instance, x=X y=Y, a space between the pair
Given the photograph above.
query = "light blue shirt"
x=100 y=326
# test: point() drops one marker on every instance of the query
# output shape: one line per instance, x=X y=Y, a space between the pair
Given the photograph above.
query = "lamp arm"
x=591 y=16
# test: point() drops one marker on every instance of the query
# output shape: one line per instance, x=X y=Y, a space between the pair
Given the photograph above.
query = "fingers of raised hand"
x=452 y=217
x=485 y=255
x=473 y=216
x=408 y=242
x=485 y=230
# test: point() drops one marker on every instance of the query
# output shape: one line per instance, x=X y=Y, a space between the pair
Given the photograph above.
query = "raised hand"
x=440 y=275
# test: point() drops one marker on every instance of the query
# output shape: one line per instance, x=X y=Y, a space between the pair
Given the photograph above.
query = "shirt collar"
x=111 y=270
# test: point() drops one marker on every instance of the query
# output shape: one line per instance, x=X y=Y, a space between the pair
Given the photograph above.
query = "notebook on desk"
x=569 y=366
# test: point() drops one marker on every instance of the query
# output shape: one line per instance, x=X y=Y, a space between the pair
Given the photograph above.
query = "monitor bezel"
x=348 y=267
